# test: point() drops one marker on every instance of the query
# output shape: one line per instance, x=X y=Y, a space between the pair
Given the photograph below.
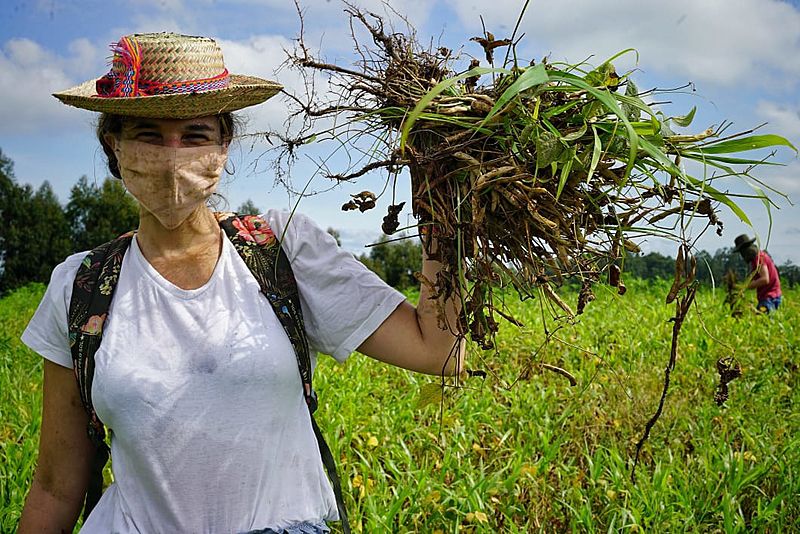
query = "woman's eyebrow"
x=198 y=127
x=143 y=125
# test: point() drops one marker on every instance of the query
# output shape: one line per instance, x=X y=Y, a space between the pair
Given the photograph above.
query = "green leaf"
x=566 y=169
x=532 y=77
x=601 y=75
x=726 y=159
x=665 y=130
x=429 y=393
x=596 y=151
x=622 y=53
x=555 y=111
x=548 y=148
x=754 y=183
x=635 y=103
x=433 y=93
x=632 y=111
x=645 y=128
x=661 y=158
x=752 y=142
x=686 y=120
x=576 y=134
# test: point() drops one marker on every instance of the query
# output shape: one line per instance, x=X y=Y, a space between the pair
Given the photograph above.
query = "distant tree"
x=709 y=267
x=789 y=273
x=336 y=235
x=97 y=214
x=34 y=234
x=395 y=262
x=649 y=266
x=248 y=208
x=723 y=260
x=6 y=167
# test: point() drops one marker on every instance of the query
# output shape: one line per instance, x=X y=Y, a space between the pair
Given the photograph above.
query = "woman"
x=195 y=378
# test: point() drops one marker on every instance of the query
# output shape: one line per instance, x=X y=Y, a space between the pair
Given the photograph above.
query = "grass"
x=541 y=455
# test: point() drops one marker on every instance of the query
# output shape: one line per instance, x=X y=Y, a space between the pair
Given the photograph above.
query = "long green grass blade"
x=752 y=142
x=726 y=159
x=622 y=53
x=720 y=197
x=566 y=169
x=596 y=151
x=658 y=155
x=577 y=134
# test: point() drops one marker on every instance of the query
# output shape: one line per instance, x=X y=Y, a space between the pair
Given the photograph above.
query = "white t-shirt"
x=201 y=390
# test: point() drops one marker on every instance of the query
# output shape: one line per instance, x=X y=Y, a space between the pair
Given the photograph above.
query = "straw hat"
x=168 y=76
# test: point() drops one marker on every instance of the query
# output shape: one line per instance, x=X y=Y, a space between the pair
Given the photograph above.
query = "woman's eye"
x=196 y=138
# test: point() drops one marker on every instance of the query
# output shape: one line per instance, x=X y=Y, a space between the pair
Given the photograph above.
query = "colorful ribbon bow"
x=124 y=78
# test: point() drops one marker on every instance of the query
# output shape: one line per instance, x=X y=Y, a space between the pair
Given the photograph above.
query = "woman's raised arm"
x=412 y=338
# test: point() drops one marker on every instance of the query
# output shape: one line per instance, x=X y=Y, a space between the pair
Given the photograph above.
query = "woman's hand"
x=412 y=337
x=65 y=454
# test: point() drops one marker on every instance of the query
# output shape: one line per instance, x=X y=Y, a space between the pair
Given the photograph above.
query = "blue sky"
x=743 y=57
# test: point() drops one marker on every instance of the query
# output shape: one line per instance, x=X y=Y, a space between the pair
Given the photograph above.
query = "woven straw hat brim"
x=242 y=91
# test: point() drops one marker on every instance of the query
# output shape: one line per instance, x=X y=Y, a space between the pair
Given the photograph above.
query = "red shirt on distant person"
x=773 y=288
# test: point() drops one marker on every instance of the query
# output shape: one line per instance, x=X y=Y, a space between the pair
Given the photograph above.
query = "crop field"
x=521 y=450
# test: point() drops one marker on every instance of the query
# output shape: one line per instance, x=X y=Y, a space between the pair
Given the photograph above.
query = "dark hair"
x=112 y=124
x=750 y=253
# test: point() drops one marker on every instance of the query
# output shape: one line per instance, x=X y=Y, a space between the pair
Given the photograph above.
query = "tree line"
x=37 y=233
x=711 y=268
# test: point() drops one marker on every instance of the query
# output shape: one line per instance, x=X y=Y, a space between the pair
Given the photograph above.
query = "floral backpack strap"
x=261 y=251
x=92 y=292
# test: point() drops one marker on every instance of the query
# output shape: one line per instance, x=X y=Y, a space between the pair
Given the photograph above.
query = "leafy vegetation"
x=395 y=261
x=523 y=451
x=34 y=234
x=37 y=233
x=97 y=214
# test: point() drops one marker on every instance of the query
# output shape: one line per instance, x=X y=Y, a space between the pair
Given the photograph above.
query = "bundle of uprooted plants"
x=525 y=175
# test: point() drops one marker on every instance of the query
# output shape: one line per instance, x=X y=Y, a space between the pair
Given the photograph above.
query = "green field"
x=538 y=455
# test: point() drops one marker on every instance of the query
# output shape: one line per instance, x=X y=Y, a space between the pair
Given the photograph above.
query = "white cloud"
x=84 y=58
x=261 y=56
x=784 y=119
x=786 y=179
x=750 y=42
x=28 y=75
x=332 y=11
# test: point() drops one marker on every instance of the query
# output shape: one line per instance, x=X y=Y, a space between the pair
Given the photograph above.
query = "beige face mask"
x=170 y=182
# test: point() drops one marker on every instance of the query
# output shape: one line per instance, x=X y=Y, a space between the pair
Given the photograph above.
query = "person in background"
x=764 y=274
